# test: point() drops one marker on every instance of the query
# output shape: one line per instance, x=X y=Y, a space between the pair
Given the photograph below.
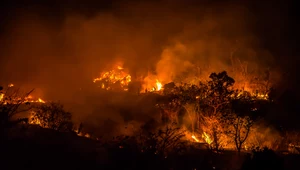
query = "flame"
x=195 y=138
x=151 y=83
x=158 y=85
x=107 y=79
x=13 y=100
x=206 y=137
x=32 y=100
x=33 y=119
x=1 y=96
x=41 y=100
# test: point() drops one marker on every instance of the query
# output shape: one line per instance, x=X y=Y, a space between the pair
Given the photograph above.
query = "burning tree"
x=180 y=99
x=217 y=93
x=214 y=104
x=12 y=102
x=53 y=116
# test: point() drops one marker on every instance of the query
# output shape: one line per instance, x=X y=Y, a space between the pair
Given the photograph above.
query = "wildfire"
x=206 y=137
x=118 y=76
x=31 y=100
x=18 y=99
x=157 y=86
x=151 y=84
x=260 y=96
x=39 y=100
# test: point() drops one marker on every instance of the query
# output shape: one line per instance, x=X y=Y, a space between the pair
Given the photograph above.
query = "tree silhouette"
x=239 y=129
x=214 y=104
x=53 y=116
x=12 y=103
x=217 y=93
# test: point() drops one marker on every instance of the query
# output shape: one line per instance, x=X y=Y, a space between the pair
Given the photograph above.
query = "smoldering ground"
x=60 y=56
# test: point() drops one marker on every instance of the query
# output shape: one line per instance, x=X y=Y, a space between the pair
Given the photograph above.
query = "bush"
x=53 y=116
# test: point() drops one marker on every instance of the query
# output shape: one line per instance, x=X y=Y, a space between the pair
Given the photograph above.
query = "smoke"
x=60 y=57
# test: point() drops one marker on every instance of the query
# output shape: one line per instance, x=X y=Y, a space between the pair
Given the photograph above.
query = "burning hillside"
x=120 y=79
x=176 y=66
x=12 y=95
x=115 y=79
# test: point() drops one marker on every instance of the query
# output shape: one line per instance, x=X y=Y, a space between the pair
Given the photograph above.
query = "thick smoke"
x=61 y=58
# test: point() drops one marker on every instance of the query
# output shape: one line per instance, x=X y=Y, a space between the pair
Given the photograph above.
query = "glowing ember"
x=108 y=79
x=11 y=85
x=206 y=137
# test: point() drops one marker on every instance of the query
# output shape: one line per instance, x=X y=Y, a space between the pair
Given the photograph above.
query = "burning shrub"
x=114 y=79
x=164 y=141
x=53 y=116
x=213 y=132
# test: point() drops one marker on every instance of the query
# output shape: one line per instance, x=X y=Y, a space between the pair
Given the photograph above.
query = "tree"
x=53 y=116
x=12 y=102
x=217 y=93
x=239 y=129
x=214 y=104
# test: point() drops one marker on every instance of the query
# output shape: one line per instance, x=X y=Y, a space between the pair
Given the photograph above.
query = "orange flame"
x=158 y=85
x=1 y=96
x=206 y=137
x=26 y=99
x=111 y=77
x=195 y=138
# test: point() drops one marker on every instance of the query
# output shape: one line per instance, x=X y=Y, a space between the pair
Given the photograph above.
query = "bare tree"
x=239 y=129
x=12 y=103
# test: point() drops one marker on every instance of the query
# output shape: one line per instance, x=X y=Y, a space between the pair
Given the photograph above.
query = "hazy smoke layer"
x=60 y=57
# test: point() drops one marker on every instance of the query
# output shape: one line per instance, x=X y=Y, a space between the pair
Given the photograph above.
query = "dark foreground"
x=46 y=149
